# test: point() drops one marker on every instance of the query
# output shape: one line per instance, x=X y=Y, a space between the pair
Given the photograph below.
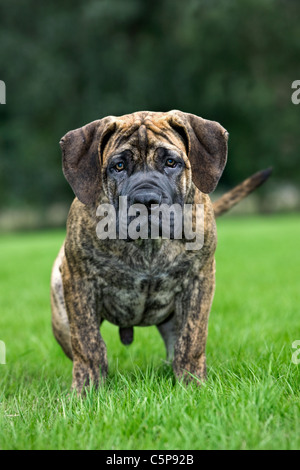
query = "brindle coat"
x=144 y=282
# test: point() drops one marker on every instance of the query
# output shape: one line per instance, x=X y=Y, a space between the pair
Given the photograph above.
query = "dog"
x=150 y=158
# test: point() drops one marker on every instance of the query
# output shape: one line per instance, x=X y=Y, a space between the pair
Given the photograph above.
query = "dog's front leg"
x=88 y=347
x=192 y=311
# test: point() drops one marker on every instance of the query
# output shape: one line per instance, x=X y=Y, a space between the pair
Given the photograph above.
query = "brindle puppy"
x=152 y=158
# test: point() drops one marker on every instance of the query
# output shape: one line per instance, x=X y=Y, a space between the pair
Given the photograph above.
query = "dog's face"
x=151 y=158
x=147 y=162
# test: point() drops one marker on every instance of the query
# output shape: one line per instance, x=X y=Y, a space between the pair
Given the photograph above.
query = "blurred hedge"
x=67 y=63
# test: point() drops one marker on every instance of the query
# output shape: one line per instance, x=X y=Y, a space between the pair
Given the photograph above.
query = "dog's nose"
x=146 y=198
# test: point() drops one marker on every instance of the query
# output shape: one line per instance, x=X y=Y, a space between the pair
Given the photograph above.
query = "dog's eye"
x=120 y=166
x=171 y=163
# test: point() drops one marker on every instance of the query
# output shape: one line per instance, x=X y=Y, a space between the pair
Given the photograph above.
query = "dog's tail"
x=230 y=199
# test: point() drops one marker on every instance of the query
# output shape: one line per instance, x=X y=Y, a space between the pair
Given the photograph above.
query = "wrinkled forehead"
x=143 y=133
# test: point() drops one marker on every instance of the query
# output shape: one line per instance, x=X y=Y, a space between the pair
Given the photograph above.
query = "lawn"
x=251 y=399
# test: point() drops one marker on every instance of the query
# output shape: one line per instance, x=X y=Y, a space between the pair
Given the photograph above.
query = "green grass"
x=251 y=399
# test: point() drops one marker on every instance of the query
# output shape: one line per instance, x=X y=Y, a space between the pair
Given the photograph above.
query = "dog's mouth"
x=144 y=222
x=147 y=205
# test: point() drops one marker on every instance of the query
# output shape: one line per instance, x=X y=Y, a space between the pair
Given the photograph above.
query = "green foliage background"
x=67 y=63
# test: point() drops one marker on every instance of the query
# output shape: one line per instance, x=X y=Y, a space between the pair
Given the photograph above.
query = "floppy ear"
x=81 y=153
x=206 y=143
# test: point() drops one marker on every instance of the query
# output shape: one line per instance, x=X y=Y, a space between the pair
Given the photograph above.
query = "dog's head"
x=152 y=158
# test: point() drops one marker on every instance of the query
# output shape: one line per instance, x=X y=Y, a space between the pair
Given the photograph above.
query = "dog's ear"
x=206 y=144
x=82 y=150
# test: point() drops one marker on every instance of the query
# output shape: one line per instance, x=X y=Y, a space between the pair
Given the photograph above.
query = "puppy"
x=126 y=275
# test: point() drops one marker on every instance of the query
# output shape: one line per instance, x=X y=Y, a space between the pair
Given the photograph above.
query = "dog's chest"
x=144 y=295
x=148 y=302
